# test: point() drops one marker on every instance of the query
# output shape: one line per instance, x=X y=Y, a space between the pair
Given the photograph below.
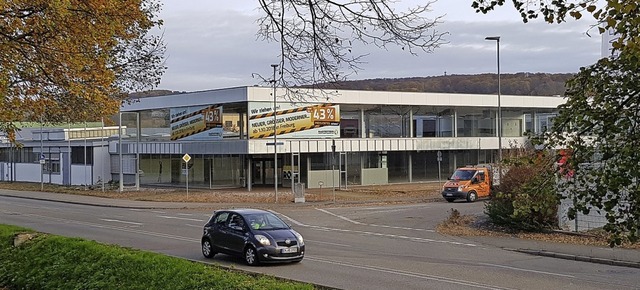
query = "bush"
x=55 y=262
x=527 y=198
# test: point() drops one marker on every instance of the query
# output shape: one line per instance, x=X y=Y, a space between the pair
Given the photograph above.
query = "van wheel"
x=450 y=199
x=472 y=196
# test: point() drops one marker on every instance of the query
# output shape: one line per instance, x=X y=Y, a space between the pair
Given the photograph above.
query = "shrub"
x=527 y=198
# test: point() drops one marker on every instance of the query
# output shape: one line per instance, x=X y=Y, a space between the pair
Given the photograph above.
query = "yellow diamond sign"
x=186 y=158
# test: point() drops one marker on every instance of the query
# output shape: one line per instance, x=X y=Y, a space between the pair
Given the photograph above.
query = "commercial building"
x=378 y=138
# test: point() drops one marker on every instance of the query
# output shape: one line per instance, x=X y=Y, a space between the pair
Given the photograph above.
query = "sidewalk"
x=593 y=254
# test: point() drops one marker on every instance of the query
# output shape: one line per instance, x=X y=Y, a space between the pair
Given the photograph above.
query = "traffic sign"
x=186 y=158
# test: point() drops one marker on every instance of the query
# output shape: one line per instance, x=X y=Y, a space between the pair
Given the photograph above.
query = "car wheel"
x=207 y=249
x=472 y=196
x=251 y=256
x=450 y=199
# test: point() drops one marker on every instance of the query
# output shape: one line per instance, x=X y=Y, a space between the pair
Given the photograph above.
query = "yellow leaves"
x=59 y=56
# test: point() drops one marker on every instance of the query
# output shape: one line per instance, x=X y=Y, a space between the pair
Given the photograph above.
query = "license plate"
x=449 y=194
x=289 y=250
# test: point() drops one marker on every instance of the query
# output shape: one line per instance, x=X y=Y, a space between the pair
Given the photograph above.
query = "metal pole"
x=138 y=151
x=186 y=165
x=41 y=154
x=275 y=135
x=333 y=169
x=102 y=152
x=497 y=40
x=85 y=155
x=121 y=181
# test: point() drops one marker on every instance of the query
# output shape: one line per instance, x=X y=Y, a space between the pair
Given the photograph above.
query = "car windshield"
x=265 y=221
x=463 y=174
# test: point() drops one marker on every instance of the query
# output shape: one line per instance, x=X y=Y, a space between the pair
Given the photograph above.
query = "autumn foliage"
x=74 y=60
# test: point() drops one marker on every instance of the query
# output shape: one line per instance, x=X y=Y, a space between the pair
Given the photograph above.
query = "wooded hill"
x=532 y=84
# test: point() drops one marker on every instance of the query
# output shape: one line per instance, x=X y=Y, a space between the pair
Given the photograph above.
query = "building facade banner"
x=294 y=120
x=196 y=123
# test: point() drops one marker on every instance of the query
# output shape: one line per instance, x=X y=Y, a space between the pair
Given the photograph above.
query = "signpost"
x=186 y=159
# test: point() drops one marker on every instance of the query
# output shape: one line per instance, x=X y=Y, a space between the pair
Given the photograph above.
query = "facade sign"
x=196 y=123
x=294 y=120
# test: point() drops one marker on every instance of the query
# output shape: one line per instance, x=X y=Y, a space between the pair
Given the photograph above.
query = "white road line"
x=179 y=218
x=415 y=239
x=407 y=274
x=185 y=214
x=328 y=243
x=195 y=226
x=374 y=225
x=124 y=222
x=527 y=270
x=124 y=229
x=339 y=216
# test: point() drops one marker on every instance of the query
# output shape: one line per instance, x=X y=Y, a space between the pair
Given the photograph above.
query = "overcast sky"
x=213 y=44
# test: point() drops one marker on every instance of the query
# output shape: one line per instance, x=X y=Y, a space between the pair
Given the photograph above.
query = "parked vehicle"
x=256 y=235
x=470 y=183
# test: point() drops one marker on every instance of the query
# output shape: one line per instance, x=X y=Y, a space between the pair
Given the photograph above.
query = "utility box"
x=298 y=192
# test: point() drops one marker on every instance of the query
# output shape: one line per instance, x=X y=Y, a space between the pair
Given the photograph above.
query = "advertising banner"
x=196 y=123
x=294 y=120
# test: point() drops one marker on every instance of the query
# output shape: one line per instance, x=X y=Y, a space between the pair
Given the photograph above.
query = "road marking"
x=527 y=270
x=415 y=239
x=373 y=225
x=328 y=243
x=179 y=218
x=124 y=229
x=124 y=222
x=407 y=273
x=195 y=226
x=339 y=216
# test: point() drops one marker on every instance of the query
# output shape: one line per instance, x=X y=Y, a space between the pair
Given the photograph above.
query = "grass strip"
x=54 y=262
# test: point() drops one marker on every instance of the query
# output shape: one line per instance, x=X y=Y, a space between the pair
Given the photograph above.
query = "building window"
x=52 y=163
x=78 y=155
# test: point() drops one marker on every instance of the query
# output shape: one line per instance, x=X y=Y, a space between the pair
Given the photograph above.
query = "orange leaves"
x=59 y=57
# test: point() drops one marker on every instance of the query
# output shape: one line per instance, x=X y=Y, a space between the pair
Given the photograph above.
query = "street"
x=376 y=247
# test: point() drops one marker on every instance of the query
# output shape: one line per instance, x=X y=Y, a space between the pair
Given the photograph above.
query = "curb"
x=577 y=258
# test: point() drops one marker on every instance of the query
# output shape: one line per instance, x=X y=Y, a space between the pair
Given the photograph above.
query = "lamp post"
x=275 y=135
x=497 y=40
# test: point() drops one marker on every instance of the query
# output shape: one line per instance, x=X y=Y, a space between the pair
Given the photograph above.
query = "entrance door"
x=263 y=171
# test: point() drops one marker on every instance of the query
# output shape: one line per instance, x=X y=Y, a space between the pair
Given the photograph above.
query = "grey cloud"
x=221 y=49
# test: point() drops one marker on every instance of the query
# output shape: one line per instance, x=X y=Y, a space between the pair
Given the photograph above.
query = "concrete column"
x=410 y=165
x=411 y=123
x=363 y=134
x=249 y=173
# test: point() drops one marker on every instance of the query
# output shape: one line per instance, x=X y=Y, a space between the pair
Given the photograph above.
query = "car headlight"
x=263 y=240
x=299 y=237
x=461 y=187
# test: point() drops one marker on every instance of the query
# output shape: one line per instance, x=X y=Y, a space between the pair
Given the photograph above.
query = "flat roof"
x=353 y=97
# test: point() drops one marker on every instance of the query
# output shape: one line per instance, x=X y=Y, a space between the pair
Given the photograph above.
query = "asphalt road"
x=386 y=247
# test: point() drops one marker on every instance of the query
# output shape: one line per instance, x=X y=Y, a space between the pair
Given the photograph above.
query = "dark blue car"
x=256 y=235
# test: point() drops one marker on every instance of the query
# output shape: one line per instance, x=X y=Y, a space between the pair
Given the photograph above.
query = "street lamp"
x=497 y=39
x=275 y=135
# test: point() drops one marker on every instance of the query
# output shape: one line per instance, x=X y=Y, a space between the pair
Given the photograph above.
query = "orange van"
x=468 y=183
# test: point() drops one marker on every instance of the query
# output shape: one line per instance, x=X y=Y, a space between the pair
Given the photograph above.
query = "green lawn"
x=56 y=262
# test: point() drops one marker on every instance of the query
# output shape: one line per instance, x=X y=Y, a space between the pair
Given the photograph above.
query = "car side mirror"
x=237 y=228
x=474 y=180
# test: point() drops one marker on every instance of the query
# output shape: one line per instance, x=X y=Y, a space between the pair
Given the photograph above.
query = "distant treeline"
x=531 y=84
